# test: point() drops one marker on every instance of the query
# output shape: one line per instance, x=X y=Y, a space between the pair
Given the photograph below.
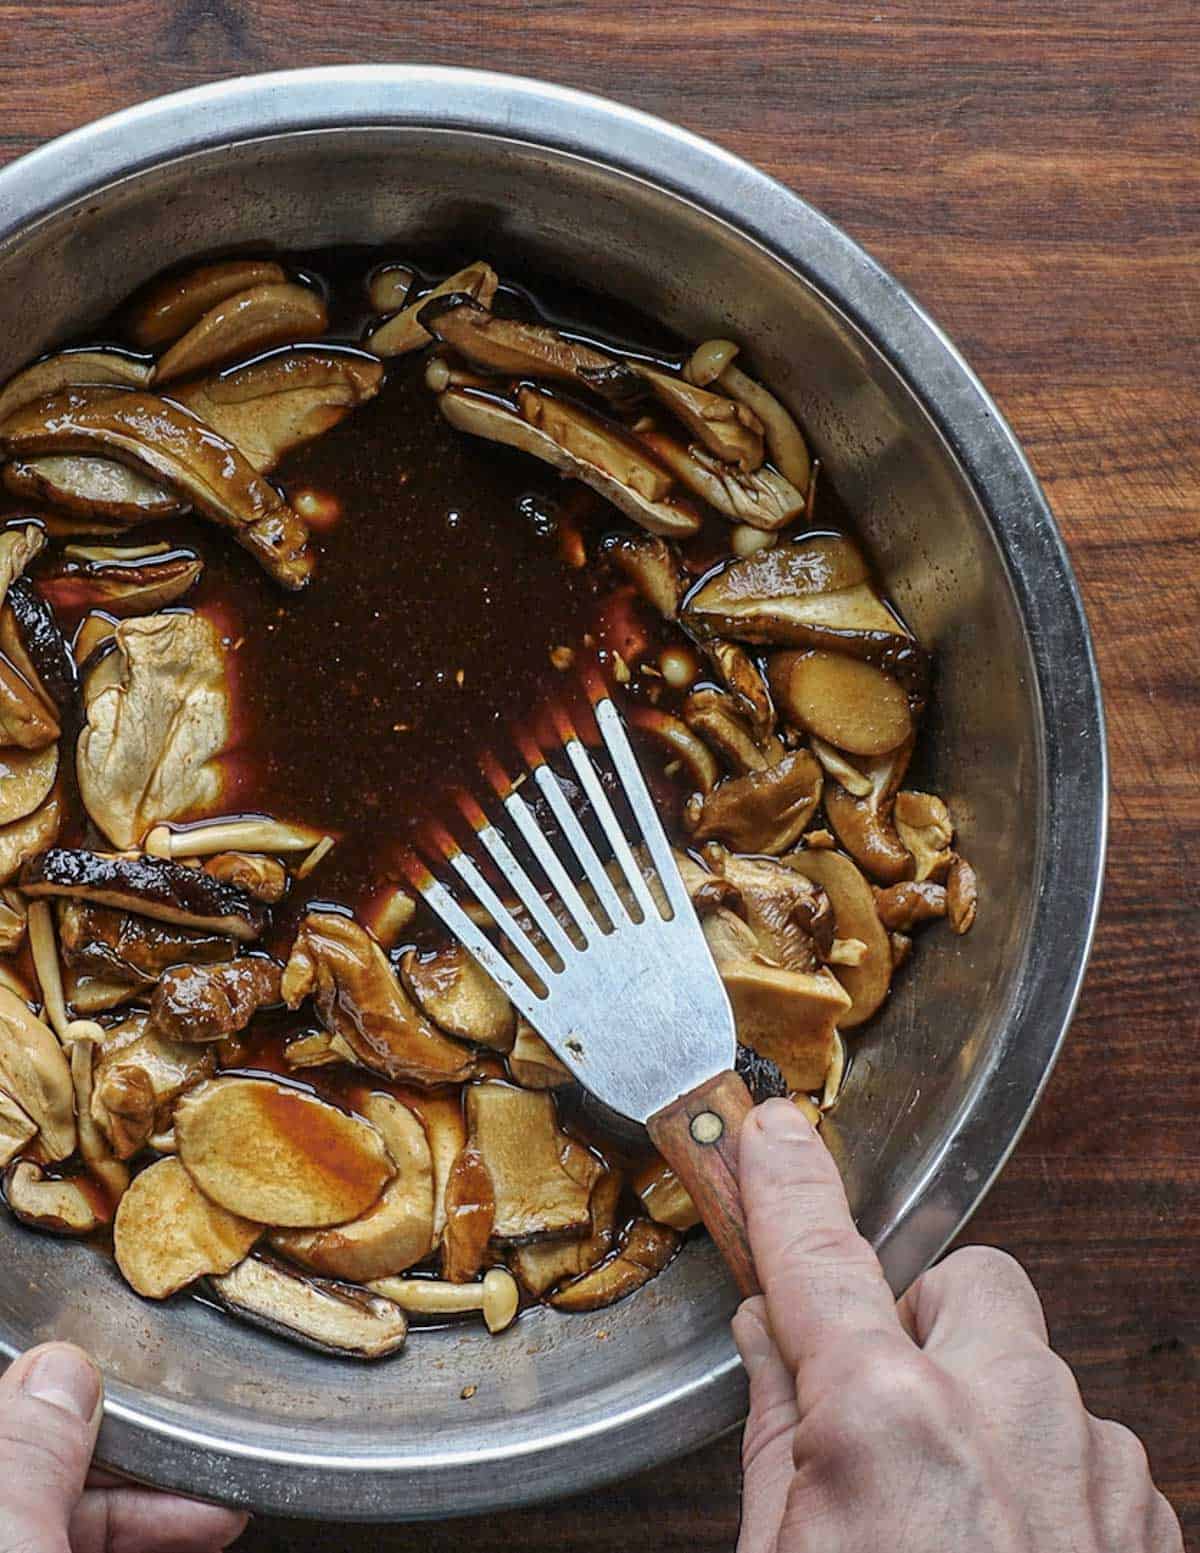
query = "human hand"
x=50 y=1502
x=939 y=1423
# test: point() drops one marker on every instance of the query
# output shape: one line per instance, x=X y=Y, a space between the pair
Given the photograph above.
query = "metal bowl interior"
x=943 y=1082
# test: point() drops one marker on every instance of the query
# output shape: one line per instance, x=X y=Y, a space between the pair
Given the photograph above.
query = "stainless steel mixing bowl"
x=943 y=1082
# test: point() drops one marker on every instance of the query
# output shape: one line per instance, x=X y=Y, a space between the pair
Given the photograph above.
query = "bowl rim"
x=579 y=124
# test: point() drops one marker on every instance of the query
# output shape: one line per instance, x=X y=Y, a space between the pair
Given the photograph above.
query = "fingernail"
x=66 y=1379
x=783 y=1122
x=754 y=1342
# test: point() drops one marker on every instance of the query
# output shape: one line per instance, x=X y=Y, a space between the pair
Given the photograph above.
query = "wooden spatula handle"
x=697 y=1135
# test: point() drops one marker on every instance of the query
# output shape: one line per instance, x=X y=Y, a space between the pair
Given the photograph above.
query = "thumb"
x=50 y=1406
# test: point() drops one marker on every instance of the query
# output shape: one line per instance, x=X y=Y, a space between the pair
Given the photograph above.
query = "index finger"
x=824 y=1287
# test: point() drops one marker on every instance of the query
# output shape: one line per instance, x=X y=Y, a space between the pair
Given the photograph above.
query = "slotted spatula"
x=625 y=993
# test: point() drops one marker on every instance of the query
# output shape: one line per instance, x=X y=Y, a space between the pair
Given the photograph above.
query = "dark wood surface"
x=1032 y=172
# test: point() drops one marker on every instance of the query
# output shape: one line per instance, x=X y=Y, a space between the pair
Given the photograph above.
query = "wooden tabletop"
x=1032 y=173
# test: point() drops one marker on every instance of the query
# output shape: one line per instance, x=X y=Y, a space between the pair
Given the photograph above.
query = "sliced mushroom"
x=508 y=348
x=712 y=362
x=270 y=407
x=34 y=1072
x=962 y=895
x=763 y=811
x=790 y=917
x=395 y=1232
x=26 y=720
x=167 y=1233
x=61 y=1205
x=316 y=1049
x=26 y=838
x=168 y=443
x=903 y=906
x=334 y=1318
x=446 y=1129
x=123 y=587
x=542 y=1179
x=495 y=1296
x=544 y=1264
x=470 y=1213
x=456 y=993
x=358 y=997
x=269 y=313
x=726 y=428
x=14 y=919
x=169 y=307
x=157 y=722
x=89 y=995
x=485 y=417
x=389 y=286
x=763 y=499
x=845 y=701
x=646 y=1250
x=130 y=1056
x=653 y=567
x=126 y=948
x=124 y=1107
x=664 y=1196
x=82 y=1038
x=787 y=1016
x=17 y=1129
x=854 y=912
x=279 y=1155
x=68 y=369
x=210 y=1002
x=149 y=886
x=717 y=718
x=264 y=878
x=841 y=768
x=926 y=830
x=403 y=333
x=739 y=674
x=676 y=740
x=26 y=779
x=98 y=494
x=533 y=1064
x=864 y=824
x=33 y=641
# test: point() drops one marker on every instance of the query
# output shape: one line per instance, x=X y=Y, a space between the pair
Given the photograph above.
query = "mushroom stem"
x=496 y=1295
x=44 y=946
x=231 y=835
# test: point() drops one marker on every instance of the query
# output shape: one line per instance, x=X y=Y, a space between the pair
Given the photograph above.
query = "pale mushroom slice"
x=270 y=313
x=27 y=838
x=926 y=831
x=270 y=407
x=138 y=1076
x=446 y=1130
x=97 y=495
x=962 y=895
x=854 y=912
x=542 y=1178
x=334 y=1318
x=34 y=1072
x=646 y=1250
x=544 y=1264
x=664 y=1196
x=397 y=1231
x=485 y=417
x=167 y=1233
x=158 y=720
x=169 y=306
x=59 y=1205
x=17 y=1129
x=67 y=369
x=168 y=443
x=456 y=993
x=762 y=498
x=790 y=917
x=122 y=587
x=279 y=1155
x=357 y=996
x=26 y=780
x=764 y=811
x=739 y=674
x=149 y=886
x=210 y=1002
x=83 y=1037
x=712 y=362
x=849 y=703
x=787 y=1016
x=863 y=822
x=534 y=1065
x=725 y=428
x=402 y=333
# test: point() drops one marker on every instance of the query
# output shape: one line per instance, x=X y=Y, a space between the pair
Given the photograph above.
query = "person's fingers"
x=50 y=1404
x=126 y=1519
x=976 y=1292
x=825 y=1290
x=767 y=1464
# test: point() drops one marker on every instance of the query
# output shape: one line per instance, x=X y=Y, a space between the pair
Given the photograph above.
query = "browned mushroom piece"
x=60 y=1205
x=17 y=1129
x=265 y=878
x=320 y=1313
x=469 y=1206
x=664 y=1196
x=864 y=823
x=854 y=912
x=122 y=587
x=83 y=1039
x=849 y=703
x=717 y=717
x=402 y=333
x=131 y=1057
x=14 y=919
x=726 y=429
x=456 y=993
x=542 y=1179
x=533 y=1064
x=713 y=362
x=677 y=742
x=26 y=838
x=544 y=1264
x=168 y=443
x=962 y=895
x=270 y=407
x=762 y=499
x=66 y=369
x=95 y=495
x=266 y=314
x=902 y=906
x=653 y=567
x=925 y=829
x=507 y=348
x=148 y=886
x=789 y=1017
x=168 y=307
x=209 y=1002
x=123 y=947
x=645 y=1251
x=124 y=1106
x=357 y=996
x=34 y=1072
x=791 y=918
x=445 y=1125
x=167 y=1233
x=739 y=674
x=34 y=643
x=763 y=811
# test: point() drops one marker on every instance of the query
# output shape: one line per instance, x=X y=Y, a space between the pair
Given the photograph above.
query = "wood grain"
x=1032 y=173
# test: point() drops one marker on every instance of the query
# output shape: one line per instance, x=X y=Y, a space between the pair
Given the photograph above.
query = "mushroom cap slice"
x=267 y=314
x=763 y=811
x=168 y=307
x=717 y=718
x=210 y=1002
x=168 y=443
x=532 y=1063
x=32 y=639
x=787 y=446
x=787 y=1016
x=647 y=1249
x=398 y=1230
x=790 y=917
x=131 y=1056
x=149 y=886
x=26 y=779
x=763 y=499
x=542 y=1179
x=278 y=1155
x=470 y=1213
x=925 y=830
x=854 y=912
x=123 y=587
x=677 y=741
x=62 y=1206
x=17 y=1128
x=727 y=429
x=653 y=567
x=26 y=838
x=334 y=1318
x=98 y=492
x=664 y=1196
x=67 y=369
x=863 y=822
x=403 y=333
x=35 y=1073
x=851 y=704
x=459 y=996
x=446 y=1130
x=124 y=947
x=265 y=878
x=167 y=1233
x=270 y=407
x=545 y=1263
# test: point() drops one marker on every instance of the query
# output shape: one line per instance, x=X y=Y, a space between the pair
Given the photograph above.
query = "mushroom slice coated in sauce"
x=149 y=886
x=68 y=369
x=926 y=831
x=664 y=1196
x=26 y=838
x=508 y=348
x=137 y=1077
x=35 y=1073
x=357 y=996
x=485 y=417
x=864 y=822
x=850 y=704
x=17 y=1129
x=209 y=1002
x=95 y=495
x=395 y=1232
x=32 y=640
x=457 y=994
x=854 y=912
x=739 y=674
x=168 y=307
x=712 y=362
x=59 y=1205
x=271 y=313
x=727 y=429
x=717 y=718
x=272 y=406
x=542 y=1179
x=787 y=1016
x=653 y=566
x=158 y=718
x=764 y=811
x=790 y=916
x=279 y=1155
x=761 y=498
x=470 y=1212
x=404 y=332
x=533 y=1064
x=168 y=443
x=546 y=1263
x=167 y=1233
x=334 y=1318
x=646 y=1250
x=265 y=878
x=123 y=946
x=26 y=778
x=122 y=587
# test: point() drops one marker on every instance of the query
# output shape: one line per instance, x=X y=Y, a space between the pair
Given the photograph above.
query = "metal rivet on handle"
x=707 y=1127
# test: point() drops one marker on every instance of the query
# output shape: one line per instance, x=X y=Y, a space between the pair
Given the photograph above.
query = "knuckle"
x=1124 y=1452
x=988 y=1264
x=1164 y=1532
x=901 y=1393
